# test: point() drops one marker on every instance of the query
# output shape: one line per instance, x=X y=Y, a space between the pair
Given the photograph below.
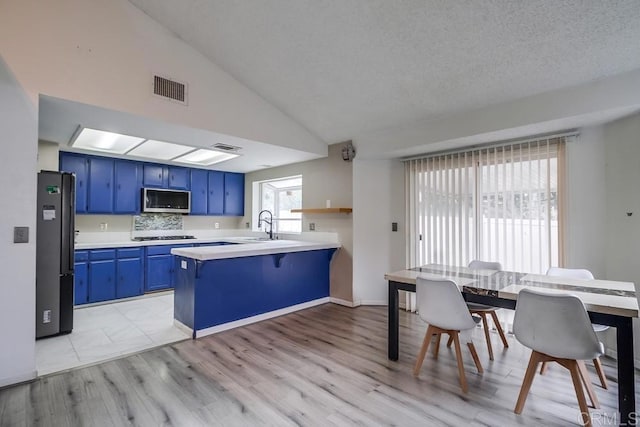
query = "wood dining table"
x=608 y=302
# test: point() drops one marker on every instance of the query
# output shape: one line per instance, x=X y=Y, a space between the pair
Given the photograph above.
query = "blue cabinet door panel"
x=100 y=192
x=155 y=175
x=127 y=190
x=129 y=277
x=158 y=269
x=216 y=193
x=102 y=280
x=199 y=190
x=234 y=194
x=80 y=283
x=78 y=166
x=178 y=178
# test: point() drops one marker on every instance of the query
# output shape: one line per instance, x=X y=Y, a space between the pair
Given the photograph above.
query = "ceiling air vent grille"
x=226 y=147
x=170 y=89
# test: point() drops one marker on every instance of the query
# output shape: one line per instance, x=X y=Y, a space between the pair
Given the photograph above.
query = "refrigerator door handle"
x=68 y=224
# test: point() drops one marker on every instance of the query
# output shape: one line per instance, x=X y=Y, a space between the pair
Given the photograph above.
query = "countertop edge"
x=250 y=249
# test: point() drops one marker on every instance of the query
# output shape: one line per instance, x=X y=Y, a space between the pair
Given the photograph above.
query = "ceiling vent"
x=226 y=147
x=170 y=89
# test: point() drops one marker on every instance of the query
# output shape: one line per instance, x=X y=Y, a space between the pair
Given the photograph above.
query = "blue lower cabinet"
x=108 y=274
x=81 y=278
x=102 y=280
x=130 y=272
x=159 y=267
x=210 y=293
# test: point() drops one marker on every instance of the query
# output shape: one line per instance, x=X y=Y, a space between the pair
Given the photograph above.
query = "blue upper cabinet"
x=216 y=193
x=100 y=192
x=112 y=186
x=127 y=187
x=233 y=194
x=78 y=165
x=155 y=175
x=199 y=189
x=178 y=178
x=163 y=176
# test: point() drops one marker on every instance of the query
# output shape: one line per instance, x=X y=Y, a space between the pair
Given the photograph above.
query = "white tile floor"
x=108 y=331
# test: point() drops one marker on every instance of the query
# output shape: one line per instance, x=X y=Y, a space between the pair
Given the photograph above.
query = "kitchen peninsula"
x=222 y=287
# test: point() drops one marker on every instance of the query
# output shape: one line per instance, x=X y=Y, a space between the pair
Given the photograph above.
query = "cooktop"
x=145 y=238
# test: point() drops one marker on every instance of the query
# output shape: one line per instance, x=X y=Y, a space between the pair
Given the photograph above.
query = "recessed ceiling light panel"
x=160 y=150
x=205 y=157
x=108 y=142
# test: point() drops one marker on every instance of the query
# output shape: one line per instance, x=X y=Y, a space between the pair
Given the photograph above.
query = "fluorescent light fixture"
x=160 y=150
x=108 y=142
x=205 y=157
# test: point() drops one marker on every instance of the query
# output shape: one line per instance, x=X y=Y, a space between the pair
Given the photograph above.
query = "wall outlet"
x=394 y=226
x=104 y=226
x=46 y=316
x=247 y=225
x=312 y=226
x=216 y=225
x=20 y=234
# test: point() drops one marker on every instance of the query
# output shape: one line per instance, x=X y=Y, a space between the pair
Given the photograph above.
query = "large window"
x=496 y=204
x=279 y=196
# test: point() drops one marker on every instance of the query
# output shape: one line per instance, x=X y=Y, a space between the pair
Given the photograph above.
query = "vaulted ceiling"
x=343 y=67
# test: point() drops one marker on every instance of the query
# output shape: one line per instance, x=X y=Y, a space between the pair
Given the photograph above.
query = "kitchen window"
x=501 y=203
x=280 y=196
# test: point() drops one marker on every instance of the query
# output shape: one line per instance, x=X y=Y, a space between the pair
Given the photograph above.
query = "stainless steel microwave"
x=169 y=201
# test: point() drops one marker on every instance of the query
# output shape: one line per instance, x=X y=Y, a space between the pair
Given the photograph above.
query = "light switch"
x=312 y=226
x=20 y=234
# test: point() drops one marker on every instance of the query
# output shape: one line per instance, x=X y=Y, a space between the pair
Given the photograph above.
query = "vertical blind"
x=501 y=203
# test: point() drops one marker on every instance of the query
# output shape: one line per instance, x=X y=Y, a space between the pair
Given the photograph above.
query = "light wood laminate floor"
x=322 y=366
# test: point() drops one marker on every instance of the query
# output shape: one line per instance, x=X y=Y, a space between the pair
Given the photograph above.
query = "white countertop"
x=135 y=243
x=251 y=248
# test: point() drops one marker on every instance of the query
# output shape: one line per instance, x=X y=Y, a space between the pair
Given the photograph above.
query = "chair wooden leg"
x=543 y=368
x=423 y=350
x=436 y=346
x=600 y=372
x=577 y=384
x=485 y=325
x=527 y=381
x=584 y=375
x=494 y=316
x=474 y=355
x=449 y=341
x=463 y=378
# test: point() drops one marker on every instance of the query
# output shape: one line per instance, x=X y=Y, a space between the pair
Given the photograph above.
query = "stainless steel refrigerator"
x=54 y=253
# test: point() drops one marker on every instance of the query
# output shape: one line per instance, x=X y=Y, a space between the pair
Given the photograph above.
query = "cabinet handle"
x=159 y=176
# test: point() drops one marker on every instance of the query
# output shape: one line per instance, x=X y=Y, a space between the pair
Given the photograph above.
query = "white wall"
x=572 y=107
x=378 y=200
x=104 y=53
x=622 y=244
x=586 y=223
x=18 y=121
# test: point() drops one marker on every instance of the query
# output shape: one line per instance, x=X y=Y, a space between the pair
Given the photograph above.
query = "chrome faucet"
x=270 y=222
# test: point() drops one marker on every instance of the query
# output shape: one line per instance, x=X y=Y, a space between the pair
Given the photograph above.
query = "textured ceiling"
x=341 y=67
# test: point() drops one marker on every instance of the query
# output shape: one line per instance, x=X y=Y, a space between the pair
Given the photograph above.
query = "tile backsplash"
x=145 y=222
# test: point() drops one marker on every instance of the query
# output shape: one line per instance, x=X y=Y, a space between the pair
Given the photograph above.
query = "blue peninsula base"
x=212 y=293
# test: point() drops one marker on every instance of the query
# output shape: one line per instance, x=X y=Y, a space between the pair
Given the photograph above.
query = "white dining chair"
x=485 y=310
x=441 y=305
x=556 y=327
x=583 y=274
